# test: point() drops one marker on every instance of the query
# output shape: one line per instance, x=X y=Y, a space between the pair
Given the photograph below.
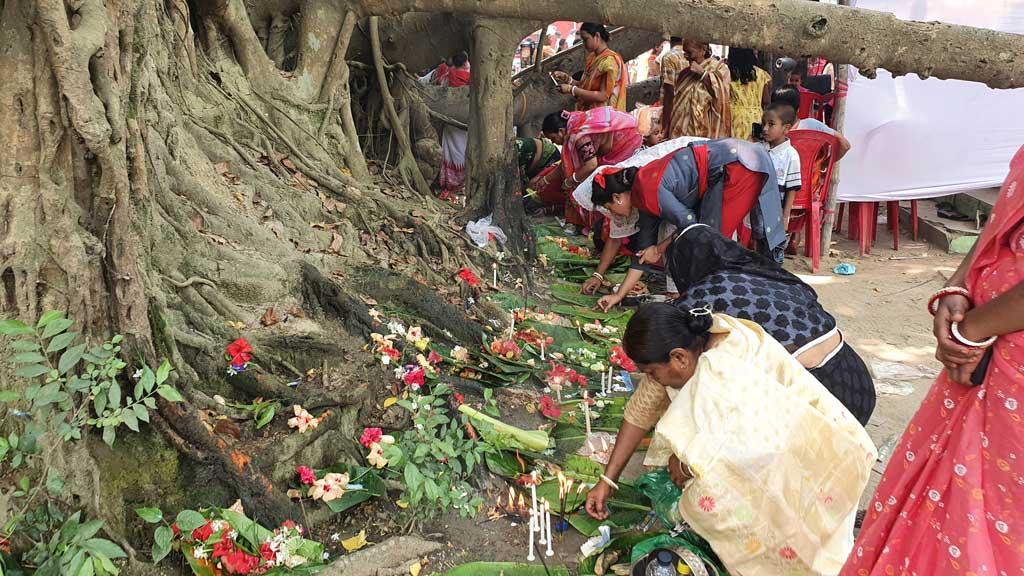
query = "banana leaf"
x=570 y=293
x=618 y=519
x=506 y=569
x=369 y=479
x=509 y=301
x=505 y=464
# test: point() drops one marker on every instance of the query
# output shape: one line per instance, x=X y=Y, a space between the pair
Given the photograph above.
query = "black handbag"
x=978 y=376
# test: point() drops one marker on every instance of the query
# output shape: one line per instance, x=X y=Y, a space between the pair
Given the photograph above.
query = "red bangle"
x=933 y=302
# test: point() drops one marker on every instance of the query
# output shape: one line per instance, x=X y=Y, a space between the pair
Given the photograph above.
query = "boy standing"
x=778 y=120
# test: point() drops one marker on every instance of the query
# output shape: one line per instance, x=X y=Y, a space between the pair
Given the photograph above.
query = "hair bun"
x=699 y=320
x=629 y=176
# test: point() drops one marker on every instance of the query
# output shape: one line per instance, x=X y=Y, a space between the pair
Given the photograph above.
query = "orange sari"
x=605 y=73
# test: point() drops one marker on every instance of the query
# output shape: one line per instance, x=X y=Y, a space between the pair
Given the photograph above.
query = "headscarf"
x=701 y=251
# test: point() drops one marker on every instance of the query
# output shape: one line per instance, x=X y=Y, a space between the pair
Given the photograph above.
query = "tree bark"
x=864 y=38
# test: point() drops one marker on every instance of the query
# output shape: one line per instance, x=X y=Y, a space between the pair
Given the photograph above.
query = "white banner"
x=916 y=138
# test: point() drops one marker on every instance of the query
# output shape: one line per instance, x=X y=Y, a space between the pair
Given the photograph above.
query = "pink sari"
x=593 y=128
x=951 y=501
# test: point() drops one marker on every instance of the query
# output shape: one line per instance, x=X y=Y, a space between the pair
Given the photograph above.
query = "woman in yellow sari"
x=700 y=101
x=605 y=80
x=771 y=464
x=750 y=91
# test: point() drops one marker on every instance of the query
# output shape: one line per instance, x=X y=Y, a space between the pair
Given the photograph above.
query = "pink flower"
x=506 y=349
x=619 y=358
x=239 y=352
x=434 y=357
x=370 y=436
x=549 y=408
x=303 y=420
x=415 y=378
x=306 y=475
x=330 y=487
x=706 y=503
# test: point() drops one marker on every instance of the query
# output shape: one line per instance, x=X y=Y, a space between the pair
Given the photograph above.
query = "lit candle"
x=494 y=271
x=547 y=519
x=586 y=409
x=542 y=354
x=533 y=492
x=540 y=520
x=529 y=556
x=512 y=326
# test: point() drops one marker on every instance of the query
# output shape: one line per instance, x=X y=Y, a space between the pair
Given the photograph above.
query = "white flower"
x=460 y=354
x=199 y=552
x=414 y=334
x=376 y=456
x=137 y=374
x=330 y=487
x=233 y=535
x=396 y=327
x=303 y=420
x=335 y=537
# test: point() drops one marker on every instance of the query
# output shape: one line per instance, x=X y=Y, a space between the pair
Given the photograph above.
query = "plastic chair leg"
x=892 y=215
x=913 y=219
x=838 y=226
x=865 y=221
x=814 y=238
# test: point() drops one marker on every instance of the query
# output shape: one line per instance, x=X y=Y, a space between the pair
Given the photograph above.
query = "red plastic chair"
x=812 y=104
x=817 y=161
x=864 y=221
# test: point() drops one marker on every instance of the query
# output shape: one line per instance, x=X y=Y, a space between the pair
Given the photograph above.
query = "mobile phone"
x=757 y=130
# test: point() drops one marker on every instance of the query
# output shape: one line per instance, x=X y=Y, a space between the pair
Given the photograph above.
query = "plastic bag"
x=482 y=232
x=663 y=493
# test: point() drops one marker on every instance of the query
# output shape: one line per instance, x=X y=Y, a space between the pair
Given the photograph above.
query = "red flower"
x=459 y=398
x=550 y=408
x=415 y=378
x=306 y=475
x=467 y=276
x=620 y=359
x=174 y=529
x=239 y=352
x=434 y=357
x=203 y=533
x=223 y=547
x=266 y=552
x=288 y=524
x=370 y=436
x=240 y=562
x=506 y=349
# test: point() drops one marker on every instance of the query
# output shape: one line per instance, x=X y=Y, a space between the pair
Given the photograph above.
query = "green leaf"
x=28 y=358
x=86 y=569
x=25 y=345
x=130 y=420
x=31 y=371
x=162 y=543
x=413 y=478
x=150 y=403
x=14 y=328
x=148 y=379
x=56 y=327
x=114 y=395
x=104 y=547
x=109 y=434
x=8 y=396
x=54 y=482
x=150 y=515
x=88 y=530
x=116 y=339
x=69 y=358
x=265 y=415
x=23 y=483
x=61 y=342
x=169 y=394
x=141 y=412
x=49 y=316
x=163 y=371
x=188 y=520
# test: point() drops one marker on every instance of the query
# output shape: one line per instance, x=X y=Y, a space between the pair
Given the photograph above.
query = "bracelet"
x=955 y=329
x=687 y=470
x=573 y=176
x=609 y=481
x=598 y=275
x=573 y=91
x=933 y=302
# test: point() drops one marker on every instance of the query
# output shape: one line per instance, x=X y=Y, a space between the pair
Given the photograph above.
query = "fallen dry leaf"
x=294 y=494
x=237 y=507
x=269 y=317
x=415 y=568
x=287 y=163
x=336 y=243
x=389 y=402
x=355 y=543
x=221 y=168
x=297 y=312
x=235 y=325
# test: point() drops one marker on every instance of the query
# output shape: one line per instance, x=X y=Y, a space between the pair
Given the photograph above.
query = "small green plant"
x=262 y=411
x=490 y=404
x=72 y=549
x=435 y=457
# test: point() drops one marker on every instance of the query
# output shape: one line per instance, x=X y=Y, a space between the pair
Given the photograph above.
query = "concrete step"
x=953 y=236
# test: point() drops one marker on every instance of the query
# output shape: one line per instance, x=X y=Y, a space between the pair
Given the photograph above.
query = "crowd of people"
x=756 y=401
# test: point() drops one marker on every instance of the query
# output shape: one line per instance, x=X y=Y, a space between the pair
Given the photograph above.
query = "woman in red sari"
x=951 y=501
x=453 y=140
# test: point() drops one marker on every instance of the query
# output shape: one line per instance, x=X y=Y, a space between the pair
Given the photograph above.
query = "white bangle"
x=609 y=481
x=573 y=91
x=955 y=329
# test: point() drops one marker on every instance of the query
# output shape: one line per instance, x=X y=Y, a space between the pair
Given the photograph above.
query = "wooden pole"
x=838 y=122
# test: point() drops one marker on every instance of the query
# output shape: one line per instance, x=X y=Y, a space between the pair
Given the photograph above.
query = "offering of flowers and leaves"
x=549 y=407
x=506 y=349
x=599 y=329
x=564 y=243
x=374 y=440
x=384 y=348
x=415 y=337
x=239 y=355
x=620 y=359
x=534 y=337
x=561 y=376
x=220 y=541
x=339 y=487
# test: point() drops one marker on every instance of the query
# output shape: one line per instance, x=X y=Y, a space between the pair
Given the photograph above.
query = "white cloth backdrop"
x=916 y=138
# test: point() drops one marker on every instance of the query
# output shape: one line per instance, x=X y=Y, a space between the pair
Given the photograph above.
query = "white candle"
x=512 y=327
x=547 y=519
x=533 y=492
x=544 y=536
x=542 y=349
x=586 y=409
x=602 y=383
x=529 y=556
x=494 y=271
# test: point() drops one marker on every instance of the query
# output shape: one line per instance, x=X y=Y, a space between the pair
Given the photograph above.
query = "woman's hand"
x=565 y=88
x=591 y=285
x=952 y=354
x=677 y=472
x=562 y=77
x=608 y=302
x=597 y=500
x=650 y=255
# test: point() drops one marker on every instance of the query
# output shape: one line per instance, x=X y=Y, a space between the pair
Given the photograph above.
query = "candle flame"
x=581 y=488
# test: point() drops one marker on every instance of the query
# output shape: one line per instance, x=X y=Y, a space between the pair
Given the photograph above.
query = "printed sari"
x=951 y=501
x=779 y=464
x=453 y=140
x=605 y=73
x=698 y=110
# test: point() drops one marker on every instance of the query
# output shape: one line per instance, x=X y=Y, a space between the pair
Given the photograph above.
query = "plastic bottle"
x=663 y=564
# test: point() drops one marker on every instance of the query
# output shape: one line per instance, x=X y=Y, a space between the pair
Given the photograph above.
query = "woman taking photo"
x=605 y=79
x=773 y=465
x=699 y=104
x=749 y=92
x=951 y=500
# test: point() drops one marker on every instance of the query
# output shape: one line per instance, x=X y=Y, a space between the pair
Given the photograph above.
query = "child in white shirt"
x=778 y=120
